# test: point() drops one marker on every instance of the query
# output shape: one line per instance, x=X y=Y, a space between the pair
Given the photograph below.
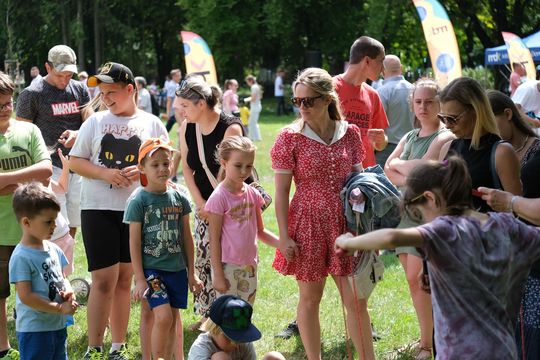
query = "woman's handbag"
x=368 y=273
x=213 y=181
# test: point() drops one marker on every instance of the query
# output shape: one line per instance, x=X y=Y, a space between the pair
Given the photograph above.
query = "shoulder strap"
x=202 y=158
x=496 y=181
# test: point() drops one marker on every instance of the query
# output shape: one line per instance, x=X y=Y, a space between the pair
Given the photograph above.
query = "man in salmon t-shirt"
x=360 y=103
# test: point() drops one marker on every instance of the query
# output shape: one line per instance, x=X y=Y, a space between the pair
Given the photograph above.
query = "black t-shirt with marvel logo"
x=53 y=110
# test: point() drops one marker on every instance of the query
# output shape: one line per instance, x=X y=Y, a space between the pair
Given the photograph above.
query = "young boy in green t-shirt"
x=23 y=158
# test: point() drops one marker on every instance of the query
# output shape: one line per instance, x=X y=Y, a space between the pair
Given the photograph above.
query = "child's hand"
x=288 y=248
x=140 y=289
x=340 y=246
x=221 y=284
x=68 y=307
x=64 y=159
x=195 y=284
x=67 y=295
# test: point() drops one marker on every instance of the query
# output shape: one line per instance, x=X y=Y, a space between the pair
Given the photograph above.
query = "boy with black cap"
x=105 y=154
x=228 y=332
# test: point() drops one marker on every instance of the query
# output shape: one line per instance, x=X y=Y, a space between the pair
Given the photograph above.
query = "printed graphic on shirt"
x=16 y=160
x=241 y=212
x=163 y=237
x=119 y=153
x=68 y=108
x=156 y=288
x=49 y=273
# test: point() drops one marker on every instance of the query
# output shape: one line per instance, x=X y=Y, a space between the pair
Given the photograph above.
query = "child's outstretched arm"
x=220 y=283
x=266 y=236
x=195 y=284
x=135 y=251
x=379 y=239
x=36 y=302
x=61 y=186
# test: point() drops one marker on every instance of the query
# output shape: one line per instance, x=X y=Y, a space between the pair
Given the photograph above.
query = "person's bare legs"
x=121 y=304
x=421 y=300
x=179 y=339
x=4 y=340
x=358 y=321
x=163 y=331
x=100 y=302
x=147 y=321
x=307 y=316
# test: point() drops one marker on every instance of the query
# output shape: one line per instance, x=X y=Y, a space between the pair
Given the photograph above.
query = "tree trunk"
x=80 y=34
x=97 y=36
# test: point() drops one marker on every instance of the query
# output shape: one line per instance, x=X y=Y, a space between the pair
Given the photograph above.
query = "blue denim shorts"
x=165 y=287
x=43 y=345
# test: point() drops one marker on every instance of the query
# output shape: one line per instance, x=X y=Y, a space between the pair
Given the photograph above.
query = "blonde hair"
x=470 y=94
x=426 y=83
x=230 y=144
x=320 y=81
x=210 y=327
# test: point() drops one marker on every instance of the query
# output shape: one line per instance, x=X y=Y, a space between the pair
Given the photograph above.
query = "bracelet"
x=511 y=207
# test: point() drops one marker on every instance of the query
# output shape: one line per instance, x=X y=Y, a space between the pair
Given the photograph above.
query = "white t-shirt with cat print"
x=112 y=141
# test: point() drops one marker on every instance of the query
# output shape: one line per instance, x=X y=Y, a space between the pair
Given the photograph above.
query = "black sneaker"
x=290 y=331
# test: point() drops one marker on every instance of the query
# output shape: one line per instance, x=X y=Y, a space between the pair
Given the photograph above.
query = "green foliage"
x=483 y=75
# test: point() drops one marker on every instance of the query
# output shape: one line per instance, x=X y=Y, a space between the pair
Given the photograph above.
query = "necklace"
x=523 y=146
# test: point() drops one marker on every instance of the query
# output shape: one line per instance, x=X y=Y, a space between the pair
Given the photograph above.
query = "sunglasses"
x=450 y=119
x=183 y=87
x=307 y=101
x=413 y=213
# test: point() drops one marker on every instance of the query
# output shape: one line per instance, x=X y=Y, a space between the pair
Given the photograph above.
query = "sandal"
x=423 y=354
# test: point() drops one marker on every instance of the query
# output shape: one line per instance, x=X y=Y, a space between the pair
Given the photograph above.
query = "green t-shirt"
x=21 y=147
x=161 y=218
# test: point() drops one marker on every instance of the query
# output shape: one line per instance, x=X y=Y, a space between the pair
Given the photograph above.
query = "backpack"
x=155 y=105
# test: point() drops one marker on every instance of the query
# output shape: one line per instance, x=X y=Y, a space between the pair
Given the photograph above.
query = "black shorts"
x=105 y=237
x=5 y=255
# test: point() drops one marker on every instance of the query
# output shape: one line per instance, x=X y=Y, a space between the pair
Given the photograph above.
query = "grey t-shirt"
x=161 y=218
x=53 y=110
x=476 y=273
x=203 y=348
x=394 y=94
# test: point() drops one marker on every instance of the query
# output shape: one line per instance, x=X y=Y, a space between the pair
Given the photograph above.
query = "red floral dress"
x=316 y=215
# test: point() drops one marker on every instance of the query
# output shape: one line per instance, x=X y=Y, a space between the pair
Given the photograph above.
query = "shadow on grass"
x=390 y=260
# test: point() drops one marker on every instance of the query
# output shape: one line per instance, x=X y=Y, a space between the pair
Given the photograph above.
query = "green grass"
x=390 y=305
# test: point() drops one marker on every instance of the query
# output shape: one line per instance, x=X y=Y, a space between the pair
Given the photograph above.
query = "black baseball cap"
x=111 y=73
x=233 y=316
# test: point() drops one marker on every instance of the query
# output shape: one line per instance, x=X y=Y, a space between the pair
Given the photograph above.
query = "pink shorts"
x=67 y=244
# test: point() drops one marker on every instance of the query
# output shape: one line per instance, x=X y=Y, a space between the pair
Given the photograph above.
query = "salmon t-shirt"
x=362 y=106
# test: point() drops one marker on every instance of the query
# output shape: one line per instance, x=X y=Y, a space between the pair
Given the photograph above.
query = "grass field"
x=390 y=306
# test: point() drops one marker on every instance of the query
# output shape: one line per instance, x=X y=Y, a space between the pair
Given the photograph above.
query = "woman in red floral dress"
x=317 y=151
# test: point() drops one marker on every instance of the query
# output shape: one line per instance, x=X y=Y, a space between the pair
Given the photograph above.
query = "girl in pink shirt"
x=236 y=222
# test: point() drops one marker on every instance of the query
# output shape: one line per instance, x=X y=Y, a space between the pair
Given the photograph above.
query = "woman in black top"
x=466 y=111
x=196 y=102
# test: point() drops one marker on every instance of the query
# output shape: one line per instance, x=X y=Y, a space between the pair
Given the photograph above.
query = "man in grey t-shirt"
x=53 y=104
x=394 y=94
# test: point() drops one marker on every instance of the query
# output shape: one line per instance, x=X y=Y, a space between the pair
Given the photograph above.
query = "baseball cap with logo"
x=233 y=316
x=112 y=73
x=63 y=58
x=149 y=147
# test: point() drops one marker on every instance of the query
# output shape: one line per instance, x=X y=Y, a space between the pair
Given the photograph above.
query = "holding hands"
x=288 y=248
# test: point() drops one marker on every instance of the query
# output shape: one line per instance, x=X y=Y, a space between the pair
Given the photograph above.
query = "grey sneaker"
x=93 y=354
x=121 y=354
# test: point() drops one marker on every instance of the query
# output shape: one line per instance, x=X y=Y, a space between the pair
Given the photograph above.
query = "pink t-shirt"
x=362 y=106
x=239 y=229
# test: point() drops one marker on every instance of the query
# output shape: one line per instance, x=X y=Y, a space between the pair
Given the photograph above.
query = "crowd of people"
x=464 y=160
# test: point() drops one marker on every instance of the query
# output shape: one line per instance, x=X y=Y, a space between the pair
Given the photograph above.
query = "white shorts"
x=70 y=202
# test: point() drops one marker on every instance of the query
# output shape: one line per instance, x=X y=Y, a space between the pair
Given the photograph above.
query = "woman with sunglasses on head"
x=197 y=103
x=466 y=111
x=416 y=147
x=516 y=131
x=317 y=151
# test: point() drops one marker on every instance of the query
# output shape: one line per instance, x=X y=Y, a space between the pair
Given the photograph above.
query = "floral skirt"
x=203 y=299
